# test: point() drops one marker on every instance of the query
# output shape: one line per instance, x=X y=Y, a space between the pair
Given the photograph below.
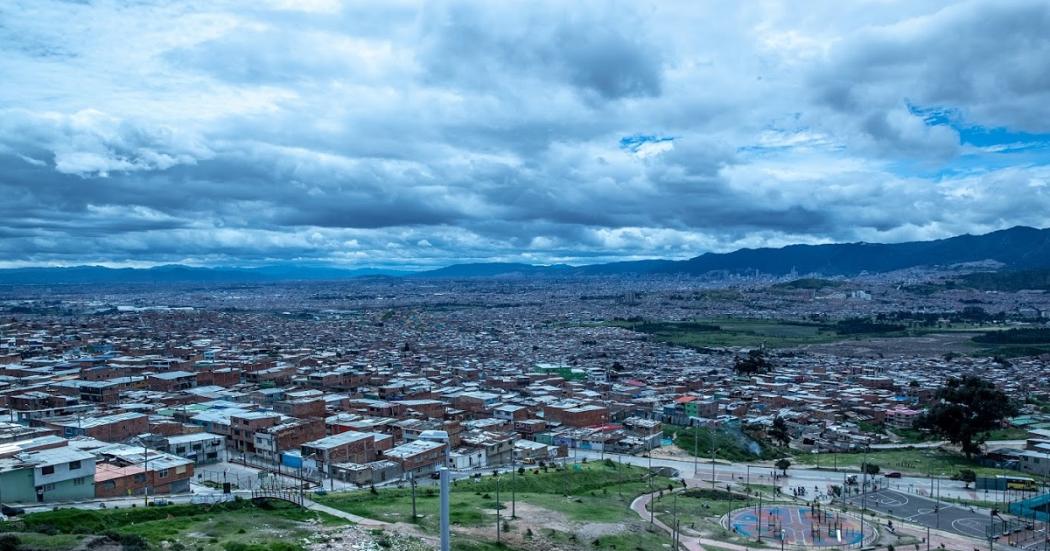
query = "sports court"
x=928 y=512
x=797 y=525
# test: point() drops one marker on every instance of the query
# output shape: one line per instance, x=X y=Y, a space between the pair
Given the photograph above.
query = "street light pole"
x=696 y=450
x=498 y=536
x=145 y=469
x=674 y=524
x=651 y=504
x=711 y=431
x=863 y=494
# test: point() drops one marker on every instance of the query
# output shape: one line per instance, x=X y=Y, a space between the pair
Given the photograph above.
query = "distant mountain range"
x=1016 y=248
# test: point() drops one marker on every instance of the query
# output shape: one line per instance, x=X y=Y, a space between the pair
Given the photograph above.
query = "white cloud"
x=406 y=132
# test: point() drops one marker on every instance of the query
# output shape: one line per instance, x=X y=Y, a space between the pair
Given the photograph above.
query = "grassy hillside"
x=232 y=526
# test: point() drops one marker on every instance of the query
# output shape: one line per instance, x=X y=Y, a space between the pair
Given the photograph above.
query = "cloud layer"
x=421 y=134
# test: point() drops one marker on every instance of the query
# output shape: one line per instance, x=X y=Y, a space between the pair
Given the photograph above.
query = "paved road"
x=796 y=476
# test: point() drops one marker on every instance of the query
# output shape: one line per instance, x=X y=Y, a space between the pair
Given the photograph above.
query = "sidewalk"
x=359 y=520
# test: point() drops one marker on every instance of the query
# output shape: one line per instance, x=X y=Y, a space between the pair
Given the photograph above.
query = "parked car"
x=893 y=475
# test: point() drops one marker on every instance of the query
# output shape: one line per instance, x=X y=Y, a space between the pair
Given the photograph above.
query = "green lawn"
x=43 y=542
x=1008 y=434
x=594 y=492
x=694 y=504
x=273 y=526
x=914 y=436
x=748 y=333
x=912 y=461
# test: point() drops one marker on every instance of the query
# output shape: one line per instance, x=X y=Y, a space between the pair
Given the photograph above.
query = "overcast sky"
x=399 y=133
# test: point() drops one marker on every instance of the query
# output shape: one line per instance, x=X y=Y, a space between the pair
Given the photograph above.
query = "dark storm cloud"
x=485 y=46
x=988 y=59
x=411 y=134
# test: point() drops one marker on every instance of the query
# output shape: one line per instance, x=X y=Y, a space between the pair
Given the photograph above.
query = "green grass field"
x=912 y=461
x=734 y=332
x=43 y=542
x=594 y=492
x=744 y=332
x=633 y=540
x=273 y=526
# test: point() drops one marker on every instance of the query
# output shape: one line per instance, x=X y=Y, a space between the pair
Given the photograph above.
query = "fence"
x=1034 y=508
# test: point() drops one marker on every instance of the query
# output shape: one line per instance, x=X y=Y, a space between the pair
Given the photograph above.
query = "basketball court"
x=928 y=512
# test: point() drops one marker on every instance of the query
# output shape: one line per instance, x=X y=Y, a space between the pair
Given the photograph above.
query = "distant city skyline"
x=409 y=134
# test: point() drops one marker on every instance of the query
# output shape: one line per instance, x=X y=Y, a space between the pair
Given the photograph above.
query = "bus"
x=1019 y=483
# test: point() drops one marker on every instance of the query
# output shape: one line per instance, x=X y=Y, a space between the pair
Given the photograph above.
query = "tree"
x=9 y=542
x=754 y=362
x=968 y=476
x=783 y=464
x=871 y=468
x=965 y=410
x=779 y=431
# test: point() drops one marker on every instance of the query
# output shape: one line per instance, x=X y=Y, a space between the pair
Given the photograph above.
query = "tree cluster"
x=754 y=363
x=965 y=410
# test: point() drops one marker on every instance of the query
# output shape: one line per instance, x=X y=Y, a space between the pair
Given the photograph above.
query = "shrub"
x=9 y=542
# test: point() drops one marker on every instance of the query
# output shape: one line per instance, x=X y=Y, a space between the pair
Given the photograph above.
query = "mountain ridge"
x=1017 y=248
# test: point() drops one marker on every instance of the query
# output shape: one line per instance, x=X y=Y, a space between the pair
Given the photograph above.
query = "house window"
x=47 y=469
x=74 y=465
x=162 y=473
x=78 y=481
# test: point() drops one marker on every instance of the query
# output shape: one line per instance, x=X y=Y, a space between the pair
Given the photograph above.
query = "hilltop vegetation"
x=1012 y=343
x=1007 y=281
x=232 y=526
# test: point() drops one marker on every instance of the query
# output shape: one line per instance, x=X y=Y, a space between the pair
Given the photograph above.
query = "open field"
x=270 y=526
x=912 y=343
x=913 y=461
x=588 y=504
x=722 y=332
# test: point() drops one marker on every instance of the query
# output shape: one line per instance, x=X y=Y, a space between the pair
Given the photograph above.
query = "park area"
x=800 y=526
x=231 y=526
x=584 y=506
